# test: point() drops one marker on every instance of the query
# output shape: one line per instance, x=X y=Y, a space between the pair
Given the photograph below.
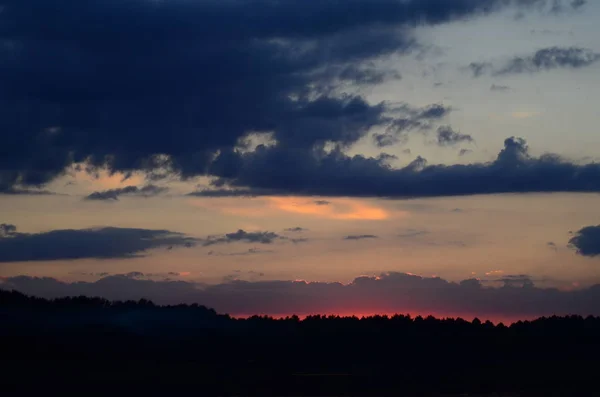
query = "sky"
x=341 y=156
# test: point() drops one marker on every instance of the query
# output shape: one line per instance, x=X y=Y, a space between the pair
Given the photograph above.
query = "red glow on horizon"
x=495 y=319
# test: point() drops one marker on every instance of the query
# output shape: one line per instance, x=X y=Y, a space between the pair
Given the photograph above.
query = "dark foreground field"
x=91 y=345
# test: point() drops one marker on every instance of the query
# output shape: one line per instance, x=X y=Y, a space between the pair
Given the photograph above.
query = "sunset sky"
x=348 y=156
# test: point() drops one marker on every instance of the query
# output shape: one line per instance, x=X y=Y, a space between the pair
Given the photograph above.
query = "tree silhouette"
x=73 y=339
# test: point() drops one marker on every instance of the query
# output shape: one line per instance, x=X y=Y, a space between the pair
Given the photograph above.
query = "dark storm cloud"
x=544 y=59
x=446 y=136
x=102 y=243
x=335 y=174
x=114 y=194
x=587 y=241
x=163 y=86
x=410 y=119
x=386 y=293
x=360 y=237
x=243 y=236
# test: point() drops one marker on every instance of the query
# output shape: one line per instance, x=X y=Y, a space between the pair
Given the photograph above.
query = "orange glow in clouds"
x=340 y=209
x=337 y=208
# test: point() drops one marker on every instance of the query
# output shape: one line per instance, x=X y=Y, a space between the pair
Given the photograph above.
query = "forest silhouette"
x=81 y=340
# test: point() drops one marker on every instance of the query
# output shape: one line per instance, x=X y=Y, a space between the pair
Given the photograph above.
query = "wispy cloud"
x=132 y=191
x=544 y=59
x=243 y=236
x=361 y=237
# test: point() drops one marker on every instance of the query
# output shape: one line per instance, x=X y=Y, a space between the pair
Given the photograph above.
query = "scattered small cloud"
x=243 y=236
x=464 y=152
x=114 y=194
x=446 y=136
x=410 y=119
x=295 y=229
x=361 y=237
x=544 y=59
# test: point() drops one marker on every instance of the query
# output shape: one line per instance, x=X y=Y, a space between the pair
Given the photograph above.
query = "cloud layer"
x=167 y=86
x=102 y=243
x=282 y=171
x=387 y=293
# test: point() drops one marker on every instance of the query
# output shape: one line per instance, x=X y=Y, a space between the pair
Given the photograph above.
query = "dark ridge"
x=79 y=341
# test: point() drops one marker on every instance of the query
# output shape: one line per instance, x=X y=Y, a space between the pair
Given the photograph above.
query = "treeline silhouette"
x=93 y=341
